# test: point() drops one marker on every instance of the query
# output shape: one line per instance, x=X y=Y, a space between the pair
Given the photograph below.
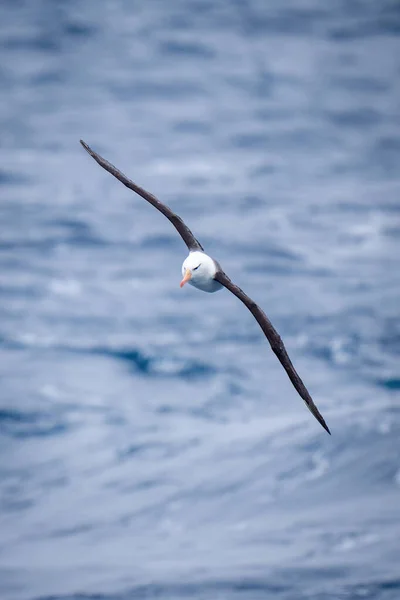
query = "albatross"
x=206 y=274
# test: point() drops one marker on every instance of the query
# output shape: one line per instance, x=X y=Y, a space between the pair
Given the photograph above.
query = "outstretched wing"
x=276 y=343
x=176 y=221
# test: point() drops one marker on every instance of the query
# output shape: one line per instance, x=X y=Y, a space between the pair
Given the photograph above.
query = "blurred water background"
x=151 y=444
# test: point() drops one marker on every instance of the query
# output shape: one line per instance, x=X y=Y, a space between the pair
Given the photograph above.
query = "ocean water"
x=151 y=446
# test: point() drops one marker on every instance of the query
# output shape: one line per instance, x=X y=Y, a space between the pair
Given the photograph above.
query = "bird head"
x=197 y=269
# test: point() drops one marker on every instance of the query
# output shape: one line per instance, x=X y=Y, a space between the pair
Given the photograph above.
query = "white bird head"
x=199 y=270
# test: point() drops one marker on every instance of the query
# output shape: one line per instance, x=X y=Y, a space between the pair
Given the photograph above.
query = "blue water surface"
x=151 y=444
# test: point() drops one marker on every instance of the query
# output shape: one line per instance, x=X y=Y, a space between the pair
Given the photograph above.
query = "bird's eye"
x=195 y=268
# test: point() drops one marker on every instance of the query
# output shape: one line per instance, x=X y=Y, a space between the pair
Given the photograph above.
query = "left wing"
x=276 y=343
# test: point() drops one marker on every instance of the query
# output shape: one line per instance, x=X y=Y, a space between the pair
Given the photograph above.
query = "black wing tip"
x=315 y=412
x=87 y=148
x=101 y=161
x=321 y=421
x=325 y=426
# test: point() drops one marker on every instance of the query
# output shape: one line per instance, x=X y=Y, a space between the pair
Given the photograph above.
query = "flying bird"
x=206 y=274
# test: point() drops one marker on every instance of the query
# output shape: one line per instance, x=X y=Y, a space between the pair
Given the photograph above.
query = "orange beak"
x=187 y=276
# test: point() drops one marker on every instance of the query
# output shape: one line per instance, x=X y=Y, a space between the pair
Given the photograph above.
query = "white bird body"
x=199 y=270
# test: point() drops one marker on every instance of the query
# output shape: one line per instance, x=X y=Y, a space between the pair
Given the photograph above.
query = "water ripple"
x=151 y=444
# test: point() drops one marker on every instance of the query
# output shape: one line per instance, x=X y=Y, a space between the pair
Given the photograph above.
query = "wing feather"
x=176 y=221
x=276 y=344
